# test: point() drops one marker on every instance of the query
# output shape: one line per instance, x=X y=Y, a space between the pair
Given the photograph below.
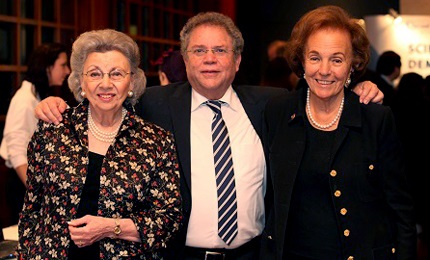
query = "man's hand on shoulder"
x=50 y=109
x=369 y=92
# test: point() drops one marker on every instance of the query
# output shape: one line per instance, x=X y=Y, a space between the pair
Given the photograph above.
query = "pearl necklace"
x=106 y=137
x=320 y=126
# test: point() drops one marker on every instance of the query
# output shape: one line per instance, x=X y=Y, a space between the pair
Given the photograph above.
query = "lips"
x=106 y=96
x=324 y=82
x=210 y=71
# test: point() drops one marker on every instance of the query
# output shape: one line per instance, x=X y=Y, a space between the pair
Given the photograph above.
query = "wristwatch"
x=117 y=229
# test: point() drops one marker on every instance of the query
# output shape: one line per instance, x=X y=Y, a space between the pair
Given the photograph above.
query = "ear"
x=163 y=78
x=237 y=61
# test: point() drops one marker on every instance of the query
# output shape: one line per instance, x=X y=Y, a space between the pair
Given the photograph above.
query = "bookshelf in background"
x=25 y=24
x=154 y=24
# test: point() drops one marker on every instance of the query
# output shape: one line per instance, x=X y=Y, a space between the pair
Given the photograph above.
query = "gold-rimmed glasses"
x=114 y=75
x=219 y=52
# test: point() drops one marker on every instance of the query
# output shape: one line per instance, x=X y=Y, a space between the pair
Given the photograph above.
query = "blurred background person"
x=103 y=184
x=412 y=113
x=171 y=67
x=387 y=72
x=279 y=74
x=276 y=48
x=47 y=68
x=427 y=87
x=388 y=68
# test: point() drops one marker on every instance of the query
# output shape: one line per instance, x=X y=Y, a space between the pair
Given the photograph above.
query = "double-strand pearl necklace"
x=106 y=137
x=320 y=126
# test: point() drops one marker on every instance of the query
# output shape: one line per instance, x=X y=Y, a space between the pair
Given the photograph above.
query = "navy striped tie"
x=226 y=189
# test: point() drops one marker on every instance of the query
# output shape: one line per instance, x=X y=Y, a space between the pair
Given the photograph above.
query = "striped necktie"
x=226 y=189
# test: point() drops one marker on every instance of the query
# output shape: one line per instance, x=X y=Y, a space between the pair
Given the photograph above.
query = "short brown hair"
x=213 y=19
x=322 y=18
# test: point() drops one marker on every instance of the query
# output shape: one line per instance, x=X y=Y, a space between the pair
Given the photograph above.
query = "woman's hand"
x=89 y=229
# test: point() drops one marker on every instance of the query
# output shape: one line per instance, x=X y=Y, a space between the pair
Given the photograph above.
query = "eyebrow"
x=204 y=46
x=98 y=68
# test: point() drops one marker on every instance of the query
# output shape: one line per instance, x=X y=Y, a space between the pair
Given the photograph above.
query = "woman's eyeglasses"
x=114 y=75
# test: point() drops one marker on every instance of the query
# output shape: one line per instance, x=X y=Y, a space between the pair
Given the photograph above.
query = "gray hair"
x=216 y=19
x=103 y=41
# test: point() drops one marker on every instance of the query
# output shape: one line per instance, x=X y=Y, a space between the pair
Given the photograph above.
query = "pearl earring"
x=83 y=93
x=304 y=76
x=130 y=94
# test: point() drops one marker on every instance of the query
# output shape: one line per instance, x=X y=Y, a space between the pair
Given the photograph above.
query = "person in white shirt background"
x=47 y=67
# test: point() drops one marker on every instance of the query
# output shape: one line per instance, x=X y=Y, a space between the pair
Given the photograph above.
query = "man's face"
x=210 y=61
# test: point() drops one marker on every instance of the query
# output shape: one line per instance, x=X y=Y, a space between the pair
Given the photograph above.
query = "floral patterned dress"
x=139 y=179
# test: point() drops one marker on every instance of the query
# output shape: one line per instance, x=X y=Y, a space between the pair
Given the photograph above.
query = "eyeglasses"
x=219 y=52
x=114 y=75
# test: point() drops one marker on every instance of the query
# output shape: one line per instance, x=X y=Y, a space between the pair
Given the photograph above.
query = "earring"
x=83 y=93
x=348 y=81
x=130 y=93
x=304 y=76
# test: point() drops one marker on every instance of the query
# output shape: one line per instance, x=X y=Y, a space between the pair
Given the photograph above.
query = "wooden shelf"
x=24 y=24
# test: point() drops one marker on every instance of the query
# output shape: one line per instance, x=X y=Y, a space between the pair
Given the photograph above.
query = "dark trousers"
x=248 y=251
x=248 y=256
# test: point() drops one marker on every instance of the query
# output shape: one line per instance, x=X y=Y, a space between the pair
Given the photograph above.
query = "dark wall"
x=262 y=21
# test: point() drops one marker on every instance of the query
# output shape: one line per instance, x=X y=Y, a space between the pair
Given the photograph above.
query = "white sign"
x=408 y=35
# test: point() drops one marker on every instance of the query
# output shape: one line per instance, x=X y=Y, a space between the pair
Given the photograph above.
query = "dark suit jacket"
x=386 y=88
x=369 y=172
x=170 y=108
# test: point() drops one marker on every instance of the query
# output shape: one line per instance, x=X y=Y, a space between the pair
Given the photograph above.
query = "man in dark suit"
x=212 y=45
x=388 y=69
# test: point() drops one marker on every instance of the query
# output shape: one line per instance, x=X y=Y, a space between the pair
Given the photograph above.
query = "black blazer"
x=369 y=172
x=170 y=108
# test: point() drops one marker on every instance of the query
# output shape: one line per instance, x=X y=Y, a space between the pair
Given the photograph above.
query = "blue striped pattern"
x=226 y=189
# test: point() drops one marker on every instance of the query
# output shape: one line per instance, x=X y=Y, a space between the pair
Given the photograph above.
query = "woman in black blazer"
x=337 y=168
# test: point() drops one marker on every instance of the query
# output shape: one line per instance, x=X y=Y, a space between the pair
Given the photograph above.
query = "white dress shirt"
x=19 y=126
x=249 y=170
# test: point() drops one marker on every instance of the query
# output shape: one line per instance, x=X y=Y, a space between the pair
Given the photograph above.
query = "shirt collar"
x=387 y=80
x=229 y=97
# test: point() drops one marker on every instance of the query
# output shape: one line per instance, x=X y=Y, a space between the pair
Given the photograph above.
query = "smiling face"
x=327 y=61
x=106 y=95
x=211 y=74
x=59 y=70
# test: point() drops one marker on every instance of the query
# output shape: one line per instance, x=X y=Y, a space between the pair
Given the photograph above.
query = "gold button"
x=350 y=258
x=333 y=173
x=293 y=116
x=393 y=250
x=346 y=232
x=337 y=193
x=343 y=211
x=371 y=167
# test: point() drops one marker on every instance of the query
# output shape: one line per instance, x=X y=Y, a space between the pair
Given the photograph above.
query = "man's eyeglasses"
x=114 y=75
x=219 y=52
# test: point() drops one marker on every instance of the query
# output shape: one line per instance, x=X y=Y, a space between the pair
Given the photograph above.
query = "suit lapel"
x=180 y=107
x=252 y=109
x=350 y=118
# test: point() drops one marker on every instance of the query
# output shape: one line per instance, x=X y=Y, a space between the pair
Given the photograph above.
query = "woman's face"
x=327 y=61
x=59 y=71
x=106 y=80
